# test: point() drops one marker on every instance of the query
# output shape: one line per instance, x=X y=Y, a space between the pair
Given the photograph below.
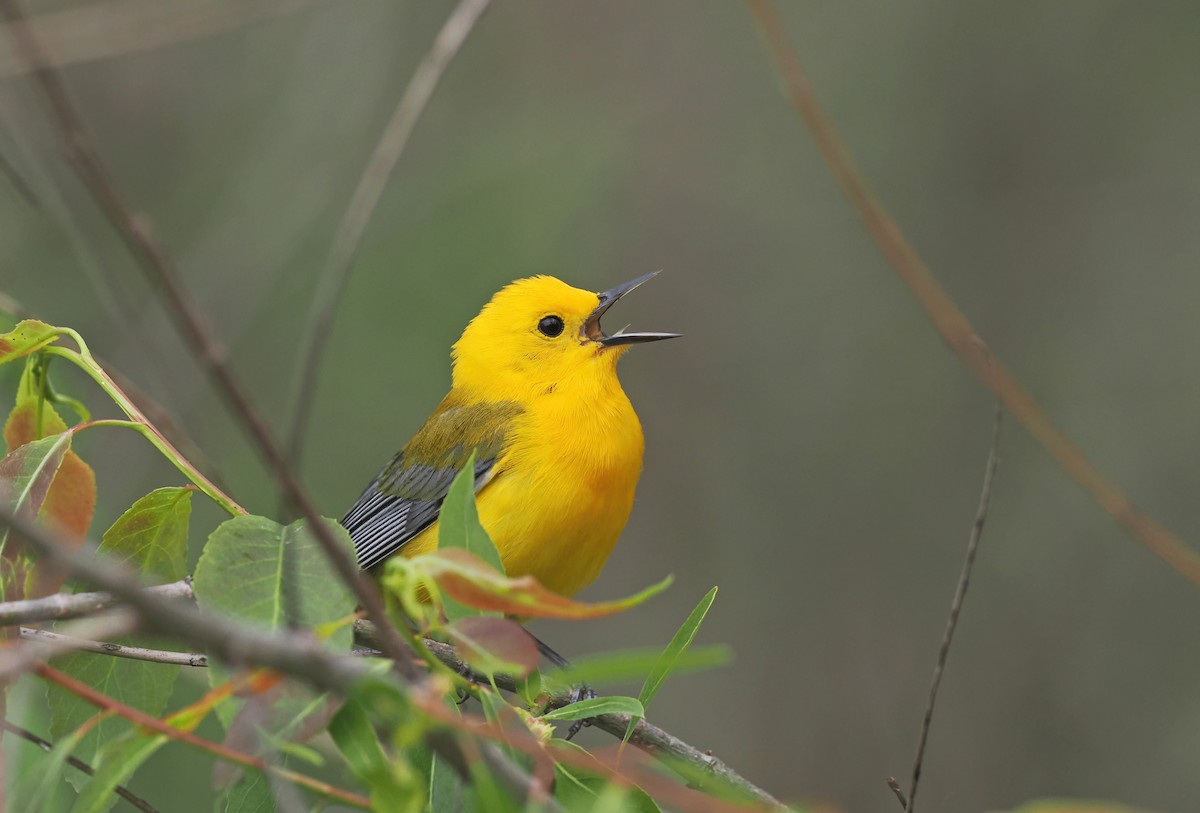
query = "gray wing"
x=406 y=496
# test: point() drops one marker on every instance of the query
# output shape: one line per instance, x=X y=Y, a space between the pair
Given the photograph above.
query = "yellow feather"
x=562 y=486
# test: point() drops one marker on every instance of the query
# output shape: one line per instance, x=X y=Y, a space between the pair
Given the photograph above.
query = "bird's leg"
x=578 y=692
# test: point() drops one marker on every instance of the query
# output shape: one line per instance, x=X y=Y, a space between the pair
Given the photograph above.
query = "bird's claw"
x=578 y=693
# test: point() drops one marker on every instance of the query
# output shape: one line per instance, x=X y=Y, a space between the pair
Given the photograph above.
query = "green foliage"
x=394 y=785
x=33 y=791
x=277 y=578
x=670 y=656
x=115 y=763
x=151 y=537
x=576 y=789
x=458 y=520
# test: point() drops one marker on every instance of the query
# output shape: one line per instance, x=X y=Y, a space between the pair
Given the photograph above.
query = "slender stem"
x=362 y=205
x=960 y=594
x=103 y=701
x=140 y=423
x=949 y=320
x=122 y=791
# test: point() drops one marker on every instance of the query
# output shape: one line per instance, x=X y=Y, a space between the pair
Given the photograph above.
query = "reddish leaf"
x=491 y=644
x=465 y=578
x=71 y=499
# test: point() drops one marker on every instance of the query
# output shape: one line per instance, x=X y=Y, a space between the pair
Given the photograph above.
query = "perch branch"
x=946 y=317
x=290 y=652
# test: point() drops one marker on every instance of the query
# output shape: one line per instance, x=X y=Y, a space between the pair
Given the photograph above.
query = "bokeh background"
x=812 y=446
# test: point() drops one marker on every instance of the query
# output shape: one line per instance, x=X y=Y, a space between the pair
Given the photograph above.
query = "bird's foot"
x=578 y=693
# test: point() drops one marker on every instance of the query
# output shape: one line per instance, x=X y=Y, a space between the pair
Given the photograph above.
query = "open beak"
x=593 y=331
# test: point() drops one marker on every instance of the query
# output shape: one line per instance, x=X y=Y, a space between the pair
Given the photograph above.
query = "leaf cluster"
x=374 y=746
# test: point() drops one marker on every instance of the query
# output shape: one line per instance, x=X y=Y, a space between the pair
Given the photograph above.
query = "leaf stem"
x=139 y=422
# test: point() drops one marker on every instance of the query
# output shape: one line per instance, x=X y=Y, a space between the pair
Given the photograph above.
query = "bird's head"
x=538 y=333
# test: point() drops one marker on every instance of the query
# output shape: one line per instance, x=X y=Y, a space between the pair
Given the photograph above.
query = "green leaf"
x=26 y=337
x=666 y=664
x=152 y=534
x=596 y=706
x=458 y=519
x=115 y=763
x=392 y=786
x=579 y=790
x=252 y=793
x=635 y=664
x=145 y=686
x=33 y=791
x=258 y=570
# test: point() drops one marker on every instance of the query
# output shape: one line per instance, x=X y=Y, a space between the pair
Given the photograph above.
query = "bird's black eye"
x=551 y=326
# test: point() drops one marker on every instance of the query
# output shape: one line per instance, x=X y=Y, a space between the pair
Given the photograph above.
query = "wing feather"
x=406 y=496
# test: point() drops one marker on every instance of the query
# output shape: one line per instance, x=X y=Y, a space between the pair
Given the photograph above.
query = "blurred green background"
x=812 y=446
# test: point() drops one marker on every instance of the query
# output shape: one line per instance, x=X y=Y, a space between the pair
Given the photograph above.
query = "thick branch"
x=62 y=606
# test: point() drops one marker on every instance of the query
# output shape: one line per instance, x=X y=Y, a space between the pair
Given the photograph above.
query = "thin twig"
x=290 y=652
x=80 y=765
x=136 y=653
x=960 y=593
x=896 y=789
x=62 y=606
x=647 y=736
x=15 y=660
x=103 y=701
x=138 y=235
x=949 y=321
x=362 y=206
x=156 y=413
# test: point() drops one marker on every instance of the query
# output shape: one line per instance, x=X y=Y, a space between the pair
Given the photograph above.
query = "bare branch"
x=138 y=235
x=896 y=789
x=949 y=321
x=18 y=659
x=362 y=206
x=126 y=794
x=960 y=593
x=62 y=606
x=137 y=653
x=291 y=652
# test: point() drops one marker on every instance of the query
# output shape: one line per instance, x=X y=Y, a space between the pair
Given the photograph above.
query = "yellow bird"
x=558 y=446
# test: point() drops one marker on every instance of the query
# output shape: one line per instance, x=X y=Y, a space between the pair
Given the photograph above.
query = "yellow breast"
x=562 y=491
